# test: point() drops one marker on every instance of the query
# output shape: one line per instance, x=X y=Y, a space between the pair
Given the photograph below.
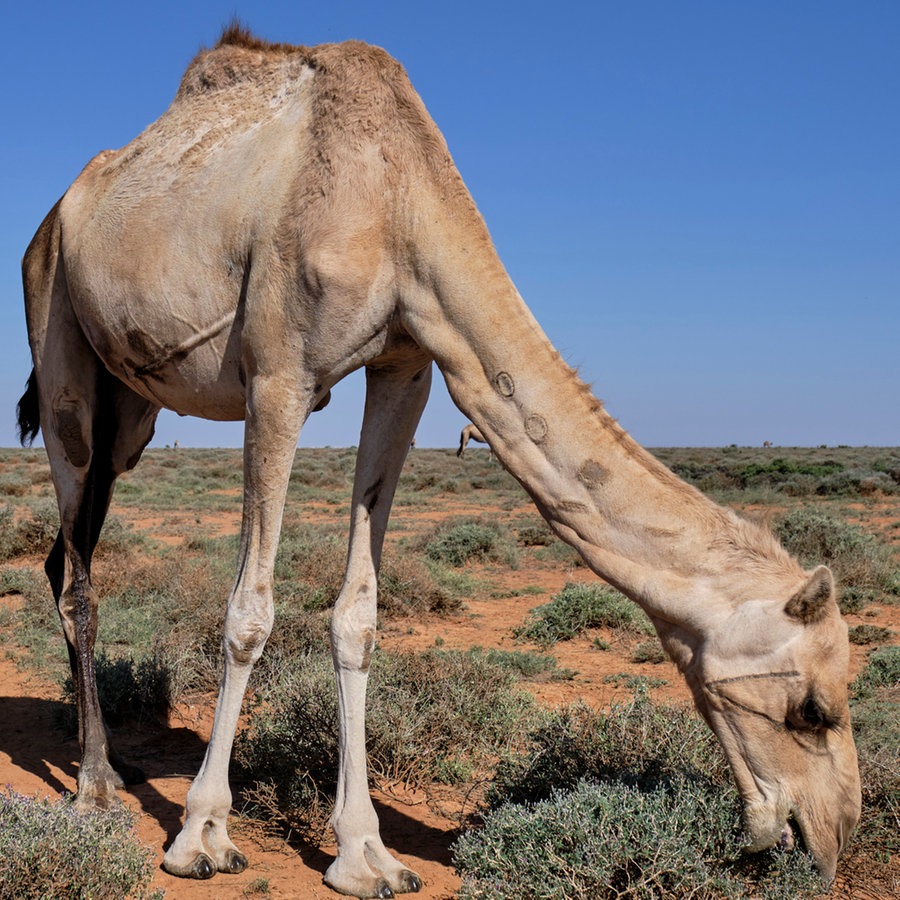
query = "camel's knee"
x=247 y=628
x=77 y=606
x=353 y=628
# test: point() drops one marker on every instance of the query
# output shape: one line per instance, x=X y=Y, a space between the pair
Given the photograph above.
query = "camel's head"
x=772 y=683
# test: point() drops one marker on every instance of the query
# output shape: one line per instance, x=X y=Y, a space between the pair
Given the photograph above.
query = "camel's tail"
x=28 y=412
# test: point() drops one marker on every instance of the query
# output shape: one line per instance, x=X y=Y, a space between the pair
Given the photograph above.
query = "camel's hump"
x=240 y=57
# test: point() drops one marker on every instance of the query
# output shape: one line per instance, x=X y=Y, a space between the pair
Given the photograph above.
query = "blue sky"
x=700 y=201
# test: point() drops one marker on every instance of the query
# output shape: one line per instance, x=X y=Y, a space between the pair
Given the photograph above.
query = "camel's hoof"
x=235 y=863
x=202 y=868
x=410 y=883
x=383 y=889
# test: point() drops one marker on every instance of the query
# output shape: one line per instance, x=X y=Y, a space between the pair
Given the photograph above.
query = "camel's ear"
x=810 y=603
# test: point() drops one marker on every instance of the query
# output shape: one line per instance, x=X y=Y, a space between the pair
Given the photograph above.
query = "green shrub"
x=857 y=558
x=531 y=666
x=857 y=482
x=637 y=802
x=648 y=652
x=612 y=840
x=48 y=851
x=869 y=634
x=458 y=543
x=882 y=671
x=639 y=742
x=535 y=535
x=578 y=607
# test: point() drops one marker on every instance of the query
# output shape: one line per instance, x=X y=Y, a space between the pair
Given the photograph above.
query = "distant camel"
x=767 y=443
x=294 y=216
x=471 y=433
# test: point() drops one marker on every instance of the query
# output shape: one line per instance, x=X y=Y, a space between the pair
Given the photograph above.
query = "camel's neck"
x=682 y=557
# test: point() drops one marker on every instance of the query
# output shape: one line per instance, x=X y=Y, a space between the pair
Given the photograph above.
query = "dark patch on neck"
x=592 y=475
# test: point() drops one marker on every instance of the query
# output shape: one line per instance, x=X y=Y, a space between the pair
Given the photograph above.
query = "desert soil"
x=36 y=759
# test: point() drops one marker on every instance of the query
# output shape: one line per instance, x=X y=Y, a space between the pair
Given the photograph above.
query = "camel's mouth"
x=786 y=840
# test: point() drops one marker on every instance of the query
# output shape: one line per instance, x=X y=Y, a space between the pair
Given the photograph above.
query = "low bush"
x=869 y=634
x=457 y=543
x=530 y=666
x=128 y=690
x=33 y=534
x=858 y=560
x=648 y=652
x=578 y=607
x=639 y=742
x=48 y=851
x=613 y=840
x=636 y=802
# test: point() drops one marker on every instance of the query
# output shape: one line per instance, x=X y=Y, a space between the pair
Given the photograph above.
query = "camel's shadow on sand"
x=34 y=736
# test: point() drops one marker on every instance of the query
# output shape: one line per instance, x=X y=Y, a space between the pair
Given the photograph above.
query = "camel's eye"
x=809 y=716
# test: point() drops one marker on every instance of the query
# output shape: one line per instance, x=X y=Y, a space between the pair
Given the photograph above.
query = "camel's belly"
x=178 y=346
x=192 y=374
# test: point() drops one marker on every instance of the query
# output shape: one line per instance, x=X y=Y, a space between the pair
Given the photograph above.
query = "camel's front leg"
x=274 y=416
x=394 y=403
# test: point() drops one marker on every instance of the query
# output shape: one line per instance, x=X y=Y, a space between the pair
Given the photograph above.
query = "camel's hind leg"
x=94 y=429
x=394 y=403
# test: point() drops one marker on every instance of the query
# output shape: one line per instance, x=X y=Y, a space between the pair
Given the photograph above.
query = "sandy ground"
x=36 y=759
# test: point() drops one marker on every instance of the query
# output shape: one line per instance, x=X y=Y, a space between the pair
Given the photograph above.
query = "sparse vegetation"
x=462 y=723
x=457 y=543
x=875 y=708
x=439 y=716
x=859 y=560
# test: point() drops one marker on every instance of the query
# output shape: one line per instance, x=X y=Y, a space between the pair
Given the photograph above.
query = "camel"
x=293 y=216
x=470 y=432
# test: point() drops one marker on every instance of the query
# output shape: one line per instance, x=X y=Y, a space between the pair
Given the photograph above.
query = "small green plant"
x=648 y=652
x=869 y=634
x=48 y=851
x=578 y=607
x=458 y=543
x=634 y=682
x=531 y=666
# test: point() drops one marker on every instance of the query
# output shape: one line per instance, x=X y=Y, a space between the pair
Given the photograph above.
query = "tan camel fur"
x=295 y=215
x=470 y=433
